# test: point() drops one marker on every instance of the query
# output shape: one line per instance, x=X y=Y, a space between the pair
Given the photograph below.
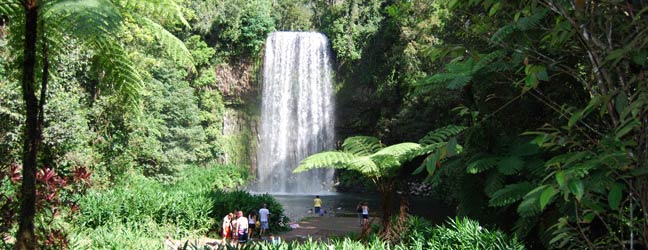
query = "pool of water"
x=344 y=204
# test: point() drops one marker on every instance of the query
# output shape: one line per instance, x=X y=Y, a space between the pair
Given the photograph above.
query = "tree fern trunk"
x=386 y=190
x=25 y=237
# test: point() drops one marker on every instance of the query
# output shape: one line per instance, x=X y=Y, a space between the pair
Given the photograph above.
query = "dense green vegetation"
x=126 y=120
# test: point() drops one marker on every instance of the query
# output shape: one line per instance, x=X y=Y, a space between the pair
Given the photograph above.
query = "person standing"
x=234 y=223
x=241 y=227
x=317 y=203
x=359 y=211
x=251 y=224
x=227 y=227
x=264 y=214
x=365 y=214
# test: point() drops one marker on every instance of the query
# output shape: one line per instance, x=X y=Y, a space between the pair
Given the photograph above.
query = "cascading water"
x=297 y=113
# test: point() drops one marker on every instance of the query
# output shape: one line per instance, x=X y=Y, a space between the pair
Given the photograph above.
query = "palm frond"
x=362 y=145
x=173 y=46
x=329 y=159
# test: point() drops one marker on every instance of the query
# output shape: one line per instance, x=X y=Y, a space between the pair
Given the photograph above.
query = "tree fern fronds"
x=365 y=165
x=533 y=21
x=510 y=165
x=483 y=164
x=362 y=145
x=402 y=152
x=441 y=134
x=330 y=159
x=524 y=225
x=121 y=75
x=173 y=46
x=494 y=182
x=88 y=18
x=167 y=10
x=459 y=81
x=503 y=33
x=9 y=7
x=530 y=205
x=487 y=60
x=510 y=194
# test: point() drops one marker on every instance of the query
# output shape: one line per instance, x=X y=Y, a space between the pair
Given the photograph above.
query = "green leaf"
x=595 y=102
x=546 y=196
x=560 y=178
x=452 y=147
x=615 y=195
x=576 y=188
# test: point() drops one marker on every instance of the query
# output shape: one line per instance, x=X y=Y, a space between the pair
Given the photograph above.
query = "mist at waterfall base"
x=297 y=113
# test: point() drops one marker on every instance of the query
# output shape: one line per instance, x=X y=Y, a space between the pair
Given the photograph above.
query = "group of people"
x=237 y=227
x=363 y=213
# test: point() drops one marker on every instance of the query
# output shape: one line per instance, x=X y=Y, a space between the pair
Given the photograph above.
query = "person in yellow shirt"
x=317 y=203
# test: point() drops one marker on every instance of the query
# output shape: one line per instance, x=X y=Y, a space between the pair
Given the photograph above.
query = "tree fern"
x=510 y=194
x=9 y=7
x=362 y=145
x=530 y=205
x=166 y=11
x=510 y=165
x=330 y=159
x=482 y=164
x=173 y=46
x=441 y=134
x=493 y=183
x=402 y=152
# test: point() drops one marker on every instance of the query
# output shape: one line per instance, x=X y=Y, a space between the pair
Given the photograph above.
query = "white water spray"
x=297 y=116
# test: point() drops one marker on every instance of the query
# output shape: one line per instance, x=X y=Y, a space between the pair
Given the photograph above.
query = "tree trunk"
x=386 y=190
x=25 y=238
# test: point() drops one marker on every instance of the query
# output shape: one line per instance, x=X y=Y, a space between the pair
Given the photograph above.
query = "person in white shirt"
x=242 y=227
x=263 y=218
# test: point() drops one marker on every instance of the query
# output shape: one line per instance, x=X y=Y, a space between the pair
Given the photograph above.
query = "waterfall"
x=297 y=113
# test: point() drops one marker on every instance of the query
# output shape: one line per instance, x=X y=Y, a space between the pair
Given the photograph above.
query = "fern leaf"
x=510 y=165
x=503 y=33
x=530 y=206
x=173 y=46
x=89 y=18
x=483 y=164
x=510 y=194
x=441 y=134
x=330 y=159
x=9 y=7
x=402 y=152
x=533 y=21
x=165 y=11
x=362 y=145
x=493 y=183
x=366 y=166
x=121 y=75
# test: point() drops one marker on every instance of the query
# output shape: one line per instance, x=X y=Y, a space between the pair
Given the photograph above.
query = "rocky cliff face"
x=240 y=85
